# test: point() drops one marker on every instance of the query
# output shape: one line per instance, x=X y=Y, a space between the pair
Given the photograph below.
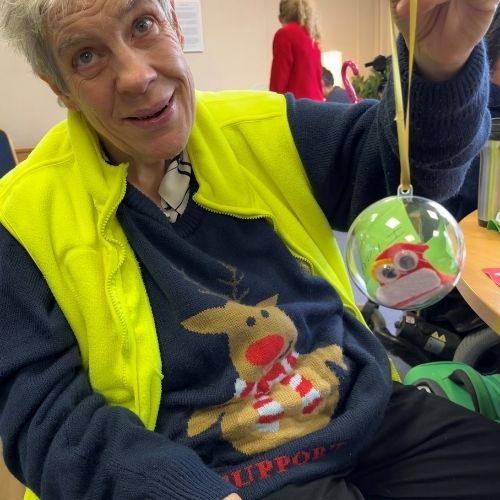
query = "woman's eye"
x=85 y=58
x=143 y=25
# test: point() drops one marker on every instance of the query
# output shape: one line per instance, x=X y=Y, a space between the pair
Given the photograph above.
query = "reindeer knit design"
x=276 y=386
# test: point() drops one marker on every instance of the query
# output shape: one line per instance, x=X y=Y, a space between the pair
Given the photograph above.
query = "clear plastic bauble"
x=405 y=252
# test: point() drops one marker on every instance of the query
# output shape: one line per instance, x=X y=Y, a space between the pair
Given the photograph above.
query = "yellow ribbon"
x=403 y=117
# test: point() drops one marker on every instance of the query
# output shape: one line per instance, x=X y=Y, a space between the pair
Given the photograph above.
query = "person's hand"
x=232 y=496
x=447 y=32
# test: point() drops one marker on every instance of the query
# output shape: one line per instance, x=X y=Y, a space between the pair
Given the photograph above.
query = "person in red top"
x=296 y=65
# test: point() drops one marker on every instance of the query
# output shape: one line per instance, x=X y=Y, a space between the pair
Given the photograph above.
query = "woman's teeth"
x=152 y=116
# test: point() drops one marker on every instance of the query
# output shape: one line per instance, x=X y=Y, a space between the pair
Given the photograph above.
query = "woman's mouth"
x=154 y=115
x=154 y=118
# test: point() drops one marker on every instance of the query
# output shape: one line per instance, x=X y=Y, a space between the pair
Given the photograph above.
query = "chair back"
x=8 y=158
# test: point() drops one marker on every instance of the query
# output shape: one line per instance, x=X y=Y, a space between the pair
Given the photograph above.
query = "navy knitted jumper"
x=246 y=332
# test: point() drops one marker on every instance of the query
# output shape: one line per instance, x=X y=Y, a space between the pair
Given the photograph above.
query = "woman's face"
x=124 y=70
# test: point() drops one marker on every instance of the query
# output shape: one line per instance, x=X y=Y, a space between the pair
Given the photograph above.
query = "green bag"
x=459 y=383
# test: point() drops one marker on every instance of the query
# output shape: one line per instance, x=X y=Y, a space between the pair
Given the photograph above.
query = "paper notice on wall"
x=189 y=16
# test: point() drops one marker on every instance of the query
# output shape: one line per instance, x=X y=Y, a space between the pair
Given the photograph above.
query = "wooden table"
x=482 y=248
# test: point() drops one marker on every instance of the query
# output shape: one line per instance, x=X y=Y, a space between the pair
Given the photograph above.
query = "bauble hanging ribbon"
x=405 y=252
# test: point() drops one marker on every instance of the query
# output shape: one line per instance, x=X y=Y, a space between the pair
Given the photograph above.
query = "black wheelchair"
x=446 y=331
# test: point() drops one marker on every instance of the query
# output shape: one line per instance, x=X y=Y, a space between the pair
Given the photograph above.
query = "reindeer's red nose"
x=265 y=350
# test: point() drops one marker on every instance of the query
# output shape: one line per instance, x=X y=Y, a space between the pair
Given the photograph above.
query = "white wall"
x=237 y=37
x=27 y=106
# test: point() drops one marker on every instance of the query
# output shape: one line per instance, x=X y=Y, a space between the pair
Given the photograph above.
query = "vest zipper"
x=121 y=259
x=269 y=217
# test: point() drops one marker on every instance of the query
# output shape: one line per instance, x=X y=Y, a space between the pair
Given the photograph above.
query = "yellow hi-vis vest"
x=60 y=204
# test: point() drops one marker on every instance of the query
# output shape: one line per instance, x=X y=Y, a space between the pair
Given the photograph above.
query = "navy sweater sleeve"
x=351 y=155
x=61 y=438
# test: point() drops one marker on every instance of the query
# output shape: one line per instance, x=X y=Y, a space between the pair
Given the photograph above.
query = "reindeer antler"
x=233 y=283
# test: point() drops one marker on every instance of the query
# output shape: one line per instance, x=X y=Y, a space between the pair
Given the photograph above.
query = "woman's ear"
x=61 y=96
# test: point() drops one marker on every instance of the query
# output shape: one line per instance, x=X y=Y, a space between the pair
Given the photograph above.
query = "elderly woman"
x=176 y=320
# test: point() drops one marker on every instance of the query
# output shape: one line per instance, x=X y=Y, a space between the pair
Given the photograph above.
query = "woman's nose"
x=134 y=73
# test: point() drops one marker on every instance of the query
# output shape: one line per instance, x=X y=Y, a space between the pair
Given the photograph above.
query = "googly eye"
x=406 y=260
x=386 y=273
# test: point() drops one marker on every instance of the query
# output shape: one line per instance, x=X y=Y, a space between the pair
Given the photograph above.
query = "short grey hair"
x=25 y=25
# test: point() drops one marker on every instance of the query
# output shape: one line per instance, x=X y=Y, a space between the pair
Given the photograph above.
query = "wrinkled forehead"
x=57 y=11
x=76 y=19
x=60 y=9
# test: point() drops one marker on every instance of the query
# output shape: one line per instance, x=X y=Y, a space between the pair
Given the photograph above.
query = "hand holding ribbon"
x=447 y=32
